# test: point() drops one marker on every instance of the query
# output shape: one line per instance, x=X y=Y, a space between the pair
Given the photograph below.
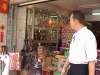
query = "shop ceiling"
x=86 y=6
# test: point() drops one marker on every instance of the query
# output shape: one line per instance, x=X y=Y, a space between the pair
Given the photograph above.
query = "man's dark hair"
x=79 y=16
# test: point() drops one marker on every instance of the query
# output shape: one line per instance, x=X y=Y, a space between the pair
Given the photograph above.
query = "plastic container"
x=66 y=53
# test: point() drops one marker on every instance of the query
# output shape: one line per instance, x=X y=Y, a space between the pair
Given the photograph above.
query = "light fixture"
x=90 y=6
x=95 y=13
x=33 y=2
x=53 y=16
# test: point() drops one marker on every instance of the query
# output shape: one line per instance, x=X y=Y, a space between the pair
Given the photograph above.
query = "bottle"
x=41 y=54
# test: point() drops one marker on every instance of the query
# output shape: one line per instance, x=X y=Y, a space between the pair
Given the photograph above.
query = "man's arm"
x=6 y=70
x=92 y=68
x=65 y=67
x=6 y=60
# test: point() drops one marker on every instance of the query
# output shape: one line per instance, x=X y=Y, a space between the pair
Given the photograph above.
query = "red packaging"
x=4 y=6
x=15 y=63
x=47 y=72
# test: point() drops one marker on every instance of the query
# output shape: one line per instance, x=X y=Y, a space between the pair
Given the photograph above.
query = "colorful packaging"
x=15 y=63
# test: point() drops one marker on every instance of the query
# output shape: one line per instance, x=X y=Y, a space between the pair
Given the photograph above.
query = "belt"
x=79 y=64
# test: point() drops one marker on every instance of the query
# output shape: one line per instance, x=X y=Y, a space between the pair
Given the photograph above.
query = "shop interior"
x=39 y=34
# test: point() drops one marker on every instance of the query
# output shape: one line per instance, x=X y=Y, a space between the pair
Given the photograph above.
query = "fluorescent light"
x=90 y=6
x=33 y=2
x=53 y=16
x=95 y=13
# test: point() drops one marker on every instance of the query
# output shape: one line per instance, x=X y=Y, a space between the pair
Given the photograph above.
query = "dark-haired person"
x=83 y=48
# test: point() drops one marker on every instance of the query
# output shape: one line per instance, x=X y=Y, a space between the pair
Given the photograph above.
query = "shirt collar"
x=81 y=30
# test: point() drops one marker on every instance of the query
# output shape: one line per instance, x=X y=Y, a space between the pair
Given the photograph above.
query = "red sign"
x=1 y=37
x=4 y=6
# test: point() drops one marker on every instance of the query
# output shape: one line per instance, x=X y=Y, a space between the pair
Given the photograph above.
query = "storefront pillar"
x=11 y=31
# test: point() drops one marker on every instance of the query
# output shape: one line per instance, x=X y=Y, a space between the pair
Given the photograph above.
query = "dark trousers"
x=78 y=69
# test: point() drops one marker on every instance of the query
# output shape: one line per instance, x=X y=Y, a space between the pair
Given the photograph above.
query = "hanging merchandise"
x=98 y=63
x=15 y=63
x=66 y=34
x=4 y=6
x=30 y=58
x=30 y=63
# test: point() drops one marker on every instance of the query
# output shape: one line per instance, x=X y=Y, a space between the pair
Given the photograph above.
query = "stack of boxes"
x=47 y=69
x=55 y=63
x=61 y=62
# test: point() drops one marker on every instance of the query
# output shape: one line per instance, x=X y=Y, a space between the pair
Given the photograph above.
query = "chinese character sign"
x=4 y=6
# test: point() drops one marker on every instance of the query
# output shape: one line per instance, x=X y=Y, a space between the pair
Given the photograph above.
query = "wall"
x=21 y=24
x=96 y=23
x=92 y=17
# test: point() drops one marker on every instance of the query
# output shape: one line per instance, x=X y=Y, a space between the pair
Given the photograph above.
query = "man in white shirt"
x=83 y=48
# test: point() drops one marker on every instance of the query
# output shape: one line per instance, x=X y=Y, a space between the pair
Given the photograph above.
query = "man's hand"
x=63 y=72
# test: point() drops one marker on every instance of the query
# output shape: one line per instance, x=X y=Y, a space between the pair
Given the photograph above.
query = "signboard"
x=4 y=6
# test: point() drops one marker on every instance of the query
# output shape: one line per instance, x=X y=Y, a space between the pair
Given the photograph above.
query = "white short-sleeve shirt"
x=83 y=47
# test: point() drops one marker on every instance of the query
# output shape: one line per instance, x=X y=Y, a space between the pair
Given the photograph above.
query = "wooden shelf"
x=43 y=26
x=45 y=41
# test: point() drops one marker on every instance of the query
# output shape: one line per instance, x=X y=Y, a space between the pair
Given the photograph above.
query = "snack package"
x=15 y=63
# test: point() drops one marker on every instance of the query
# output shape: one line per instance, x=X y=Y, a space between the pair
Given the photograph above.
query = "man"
x=83 y=48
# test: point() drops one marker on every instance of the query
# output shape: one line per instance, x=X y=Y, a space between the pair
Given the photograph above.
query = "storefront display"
x=66 y=35
x=46 y=34
x=43 y=29
x=43 y=26
x=98 y=64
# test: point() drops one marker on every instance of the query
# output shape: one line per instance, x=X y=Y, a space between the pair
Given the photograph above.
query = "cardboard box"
x=48 y=61
x=47 y=71
x=24 y=72
x=61 y=62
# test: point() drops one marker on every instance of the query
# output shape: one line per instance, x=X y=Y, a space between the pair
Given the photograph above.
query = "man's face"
x=72 y=22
